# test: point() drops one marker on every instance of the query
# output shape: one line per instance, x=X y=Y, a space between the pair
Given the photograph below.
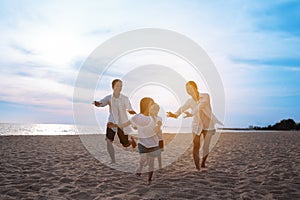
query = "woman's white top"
x=203 y=118
x=197 y=124
x=146 y=130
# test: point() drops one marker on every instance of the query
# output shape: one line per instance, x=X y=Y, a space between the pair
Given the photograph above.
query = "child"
x=148 y=139
x=158 y=120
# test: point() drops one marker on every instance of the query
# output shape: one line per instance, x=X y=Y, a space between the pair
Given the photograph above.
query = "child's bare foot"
x=113 y=162
x=138 y=174
x=146 y=163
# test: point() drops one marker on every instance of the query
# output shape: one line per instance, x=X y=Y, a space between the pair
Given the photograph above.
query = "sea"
x=71 y=129
x=64 y=129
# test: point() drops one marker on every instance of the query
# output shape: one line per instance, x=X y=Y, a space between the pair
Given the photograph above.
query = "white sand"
x=241 y=166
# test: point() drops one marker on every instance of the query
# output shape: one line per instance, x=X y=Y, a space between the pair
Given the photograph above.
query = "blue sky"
x=255 y=46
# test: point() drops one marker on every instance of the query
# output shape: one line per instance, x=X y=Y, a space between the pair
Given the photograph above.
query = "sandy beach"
x=258 y=165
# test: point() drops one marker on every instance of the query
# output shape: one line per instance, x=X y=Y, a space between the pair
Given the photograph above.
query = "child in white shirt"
x=148 y=139
x=158 y=121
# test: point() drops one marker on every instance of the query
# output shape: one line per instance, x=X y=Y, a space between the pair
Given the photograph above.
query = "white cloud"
x=41 y=43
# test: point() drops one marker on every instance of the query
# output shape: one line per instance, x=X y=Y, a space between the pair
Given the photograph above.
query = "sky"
x=255 y=46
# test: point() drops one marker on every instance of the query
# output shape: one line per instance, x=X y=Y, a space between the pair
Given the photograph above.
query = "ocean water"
x=70 y=129
x=64 y=129
x=37 y=129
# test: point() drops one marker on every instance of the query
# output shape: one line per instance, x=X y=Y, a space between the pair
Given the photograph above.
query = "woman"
x=148 y=139
x=203 y=120
x=119 y=104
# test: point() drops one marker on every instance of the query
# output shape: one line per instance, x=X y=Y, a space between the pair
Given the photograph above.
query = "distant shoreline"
x=166 y=133
x=224 y=128
x=63 y=129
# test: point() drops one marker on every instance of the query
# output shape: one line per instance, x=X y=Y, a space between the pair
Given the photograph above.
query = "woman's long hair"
x=195 y=87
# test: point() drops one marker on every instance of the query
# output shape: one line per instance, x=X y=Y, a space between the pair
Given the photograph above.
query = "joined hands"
x=96 y=103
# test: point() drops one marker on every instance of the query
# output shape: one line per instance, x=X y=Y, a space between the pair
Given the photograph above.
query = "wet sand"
x=241 y=166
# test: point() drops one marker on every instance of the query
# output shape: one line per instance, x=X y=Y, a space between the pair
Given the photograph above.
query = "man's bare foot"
x=133 y=143
x=127 y=145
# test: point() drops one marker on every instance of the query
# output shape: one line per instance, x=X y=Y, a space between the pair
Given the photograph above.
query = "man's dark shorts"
x=110 y=134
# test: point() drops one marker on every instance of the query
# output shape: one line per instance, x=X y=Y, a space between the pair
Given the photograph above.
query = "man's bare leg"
x=110 y=150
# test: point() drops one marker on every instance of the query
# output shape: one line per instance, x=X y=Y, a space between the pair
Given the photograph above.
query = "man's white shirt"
x=118 y=108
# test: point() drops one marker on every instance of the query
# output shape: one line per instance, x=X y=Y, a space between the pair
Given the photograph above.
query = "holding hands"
x=96 y=103
x=111 y=125
x=132 y=112
x=173 y=115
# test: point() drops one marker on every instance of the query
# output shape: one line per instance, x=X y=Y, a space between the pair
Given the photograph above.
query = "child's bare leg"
x=143 y=159
x=151 y=168
x=147 y=162
x=159 y=162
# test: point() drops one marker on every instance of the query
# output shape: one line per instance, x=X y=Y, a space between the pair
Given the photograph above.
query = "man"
x=119 y=105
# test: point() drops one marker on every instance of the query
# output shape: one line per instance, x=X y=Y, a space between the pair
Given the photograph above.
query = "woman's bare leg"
x=196 y=149
x=207 y=138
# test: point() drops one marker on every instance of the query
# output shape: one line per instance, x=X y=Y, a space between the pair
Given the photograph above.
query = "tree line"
x=285 y=124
